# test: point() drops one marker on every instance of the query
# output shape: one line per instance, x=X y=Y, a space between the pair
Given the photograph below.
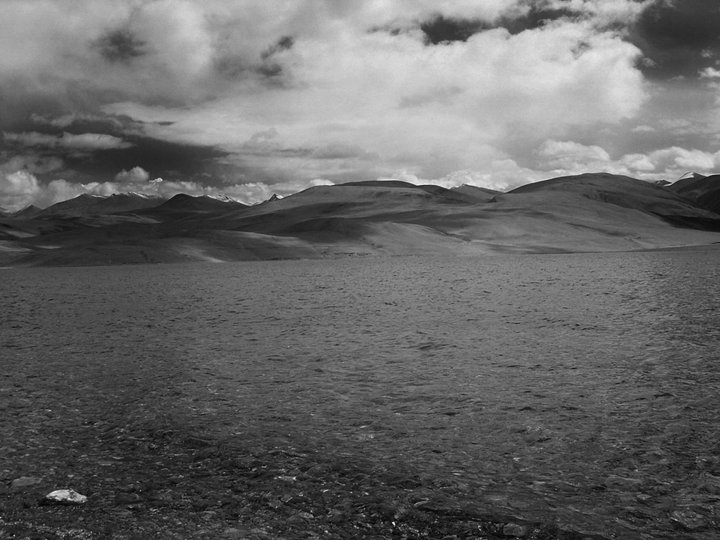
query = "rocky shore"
x=164 y=484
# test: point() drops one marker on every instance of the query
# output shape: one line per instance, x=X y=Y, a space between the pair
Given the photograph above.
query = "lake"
x=581 y=389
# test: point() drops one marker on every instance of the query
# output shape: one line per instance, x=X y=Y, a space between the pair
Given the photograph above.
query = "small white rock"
x=65 y=496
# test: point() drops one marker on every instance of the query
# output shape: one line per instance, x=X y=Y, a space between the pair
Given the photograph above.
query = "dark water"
x=578 y=388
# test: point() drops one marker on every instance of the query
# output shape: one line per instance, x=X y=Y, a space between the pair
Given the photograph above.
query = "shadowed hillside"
x=478 y=193
x=590 y=212
x=186 y=203
x=704 y=191
x=673 y=206
x=86 y=205
x=28 y=212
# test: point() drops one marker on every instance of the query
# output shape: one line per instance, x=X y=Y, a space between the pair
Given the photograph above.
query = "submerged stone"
x=514 y=530
x=689 y=520
x=25 y=481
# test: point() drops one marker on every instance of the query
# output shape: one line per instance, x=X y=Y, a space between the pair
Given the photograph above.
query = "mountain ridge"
x=589 y=212
x=85 y=205
x=704 y=191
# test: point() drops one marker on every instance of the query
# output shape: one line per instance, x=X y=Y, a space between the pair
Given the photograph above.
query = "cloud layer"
x=20 y=189
x=256 y=97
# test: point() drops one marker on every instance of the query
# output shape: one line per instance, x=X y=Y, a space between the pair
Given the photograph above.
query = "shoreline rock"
x=64 y=497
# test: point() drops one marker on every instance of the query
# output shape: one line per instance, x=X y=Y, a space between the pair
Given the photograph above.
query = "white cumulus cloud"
x=134 y=175
x=560 y=158
x=569 y=155
x=17 y=189
x=354 y=83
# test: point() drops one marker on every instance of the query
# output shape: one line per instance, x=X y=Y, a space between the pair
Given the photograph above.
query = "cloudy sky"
x=254 y=97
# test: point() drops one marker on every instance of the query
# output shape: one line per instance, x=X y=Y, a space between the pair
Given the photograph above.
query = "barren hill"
x=704 y=191
x=630 y=193
x=188 y=203
x=87 y=205
x=592 y=212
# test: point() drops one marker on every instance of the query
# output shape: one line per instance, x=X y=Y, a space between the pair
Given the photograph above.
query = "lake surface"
x=582 y=389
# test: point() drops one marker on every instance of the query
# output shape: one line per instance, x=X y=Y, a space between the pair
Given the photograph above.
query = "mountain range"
x=589 y=212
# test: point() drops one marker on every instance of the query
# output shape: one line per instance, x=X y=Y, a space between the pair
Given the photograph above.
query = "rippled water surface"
x=578 y=388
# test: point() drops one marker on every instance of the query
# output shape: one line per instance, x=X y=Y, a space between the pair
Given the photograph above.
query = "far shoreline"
x=375 y=256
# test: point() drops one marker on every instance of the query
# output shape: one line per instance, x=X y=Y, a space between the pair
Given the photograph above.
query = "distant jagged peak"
x=273 y=198
x=695 y=176
x=200 y=203
x=139 y=195
x=223 y=198
x=692 y=181
x=27 y=212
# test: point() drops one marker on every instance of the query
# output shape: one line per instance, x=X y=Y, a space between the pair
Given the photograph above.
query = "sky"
x=253 y=97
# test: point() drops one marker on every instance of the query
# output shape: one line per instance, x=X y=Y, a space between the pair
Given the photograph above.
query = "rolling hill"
x=591 y=212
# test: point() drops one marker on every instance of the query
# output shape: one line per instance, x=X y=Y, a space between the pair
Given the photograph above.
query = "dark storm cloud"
x=19 y=104
x=679 y=38
x=285 y=43
x=67 y=142
x=69 y=107
x=538 y=13
x=120 y=45
x=269 y=68
x=117 y=125
x=95 y=148
x=534 y=14
x=442 y=29
x=169 y=160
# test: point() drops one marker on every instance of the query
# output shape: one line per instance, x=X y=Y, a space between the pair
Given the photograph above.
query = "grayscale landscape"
x=586 y=213
x=359 y=269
